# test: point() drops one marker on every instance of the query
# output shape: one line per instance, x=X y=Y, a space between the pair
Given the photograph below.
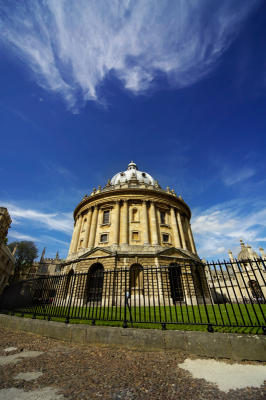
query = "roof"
x=133 y=174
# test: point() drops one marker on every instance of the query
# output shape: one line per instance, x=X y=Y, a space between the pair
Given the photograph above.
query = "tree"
x=26 y=253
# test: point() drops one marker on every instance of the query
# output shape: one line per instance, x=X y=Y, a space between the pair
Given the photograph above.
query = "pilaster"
x=93 y=226
x=124 y=233
x=87 y=229
x=191 y=239
x=72 y=240
x=145 y=223
x=175 y=228
x=116 y=222
x=76 y=240
x=154 y=231
x=180 y=226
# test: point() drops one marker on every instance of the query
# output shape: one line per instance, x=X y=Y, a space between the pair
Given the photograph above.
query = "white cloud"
x=220 y=227
x=61 y=222
x=71 y=46
x=20 y=236
x=233 y=177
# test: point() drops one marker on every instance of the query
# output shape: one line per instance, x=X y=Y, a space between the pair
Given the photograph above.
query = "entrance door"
x=175 y=282
x=95 y=282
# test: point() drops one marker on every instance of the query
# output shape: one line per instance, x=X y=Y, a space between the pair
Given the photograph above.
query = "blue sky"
x=178 y=87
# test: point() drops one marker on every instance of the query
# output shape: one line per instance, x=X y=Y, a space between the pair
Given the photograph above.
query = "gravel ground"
x=86 y=372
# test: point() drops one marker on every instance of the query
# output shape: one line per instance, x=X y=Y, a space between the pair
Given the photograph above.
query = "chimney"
x=262 y=252
x=230 y=255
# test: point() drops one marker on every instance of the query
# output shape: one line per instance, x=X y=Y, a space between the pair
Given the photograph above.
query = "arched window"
x=67 y=282
x=175 y=279
x=136 y=279
x=135 y=215
x=255 y=290
x=94 y=287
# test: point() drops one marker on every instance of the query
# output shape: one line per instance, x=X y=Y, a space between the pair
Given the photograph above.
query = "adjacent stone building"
x=7 y=260
x=47 y=266
x=131 y=224
x=242 y=279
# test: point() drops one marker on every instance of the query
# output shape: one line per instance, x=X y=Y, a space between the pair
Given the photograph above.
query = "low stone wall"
x=219 y=345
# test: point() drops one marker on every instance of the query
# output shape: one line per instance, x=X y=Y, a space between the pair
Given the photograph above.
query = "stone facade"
x=46 y=266
x=243 y=279
x=133 y=223
x=7 y=260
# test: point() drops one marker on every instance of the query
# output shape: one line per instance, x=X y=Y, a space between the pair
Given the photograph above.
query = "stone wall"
x=218 y=345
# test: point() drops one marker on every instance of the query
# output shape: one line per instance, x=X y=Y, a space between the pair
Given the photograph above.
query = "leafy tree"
x=26 y=253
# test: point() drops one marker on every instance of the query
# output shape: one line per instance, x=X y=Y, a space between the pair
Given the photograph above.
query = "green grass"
x=224 y=317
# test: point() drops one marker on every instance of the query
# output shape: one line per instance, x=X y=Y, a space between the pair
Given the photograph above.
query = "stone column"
x=125 y=223
x=116 y=222
x=154 y=232
x=191 y=240
x=76 y=240
x=145 y=223
x=184 y=246
x=87 y=228
x=176 y=239
x=93 y=227
x=72 y=240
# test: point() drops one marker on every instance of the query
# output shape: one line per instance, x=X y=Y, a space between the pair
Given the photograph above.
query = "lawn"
x=248 y=318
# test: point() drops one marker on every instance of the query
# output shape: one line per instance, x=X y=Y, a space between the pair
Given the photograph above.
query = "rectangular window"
x=165 y=238
x=106 y=217
x=104 y=238
x=135 y=235
x=162 y=217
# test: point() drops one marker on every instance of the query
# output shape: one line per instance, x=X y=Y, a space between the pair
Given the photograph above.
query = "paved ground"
x=37 y=368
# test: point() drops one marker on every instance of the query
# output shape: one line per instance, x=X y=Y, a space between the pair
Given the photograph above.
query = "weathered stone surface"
x=78 y=334
x=175 y=340
x=223 y=345
x=57 y=330
x=216 y=344
x=248 y=347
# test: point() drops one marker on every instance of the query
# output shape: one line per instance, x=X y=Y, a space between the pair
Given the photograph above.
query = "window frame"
x=135 y=240
x=169 y=238
x=162 y=220
x=109 y=217
x=107 y=237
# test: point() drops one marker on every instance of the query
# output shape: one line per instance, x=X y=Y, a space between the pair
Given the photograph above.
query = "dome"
x=133 y=174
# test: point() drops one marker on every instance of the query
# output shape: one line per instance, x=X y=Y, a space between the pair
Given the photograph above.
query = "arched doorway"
x=136 y=279
x=256 y=290
x=67 y=283
x=176 y=288
x=94 y=289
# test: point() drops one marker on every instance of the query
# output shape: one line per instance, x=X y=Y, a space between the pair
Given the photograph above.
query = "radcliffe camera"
x=132 y=200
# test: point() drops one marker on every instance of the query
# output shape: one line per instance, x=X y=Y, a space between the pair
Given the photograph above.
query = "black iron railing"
x=221 y=294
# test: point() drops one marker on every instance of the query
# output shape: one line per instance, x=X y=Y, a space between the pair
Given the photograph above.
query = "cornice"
x=132 y=194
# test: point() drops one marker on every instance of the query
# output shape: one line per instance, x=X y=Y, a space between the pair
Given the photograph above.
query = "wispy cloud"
x=219 y=228
x=61 y=222
x=20 y=236
x=232 y=177
x=59 y=169
x=71 y=46
x=50 y=239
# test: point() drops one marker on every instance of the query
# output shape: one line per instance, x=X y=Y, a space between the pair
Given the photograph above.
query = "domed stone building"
x=132 y=223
